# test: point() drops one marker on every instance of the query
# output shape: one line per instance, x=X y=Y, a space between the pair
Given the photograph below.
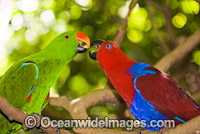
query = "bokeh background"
x=27 y=26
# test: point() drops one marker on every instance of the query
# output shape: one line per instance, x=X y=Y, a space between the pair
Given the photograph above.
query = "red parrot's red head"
x=109 y=55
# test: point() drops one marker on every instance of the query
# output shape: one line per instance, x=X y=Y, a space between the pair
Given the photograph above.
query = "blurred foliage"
x=35 y=23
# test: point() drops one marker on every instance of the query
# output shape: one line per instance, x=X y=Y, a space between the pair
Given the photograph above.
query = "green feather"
x=17 y=82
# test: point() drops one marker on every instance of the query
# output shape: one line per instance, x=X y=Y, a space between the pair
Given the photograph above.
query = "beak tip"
x=83 y=37
x=93 y=55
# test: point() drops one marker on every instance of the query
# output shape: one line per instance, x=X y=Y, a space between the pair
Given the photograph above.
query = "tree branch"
x=84 y=102
x=180 y=52
x=155 y=5
x=77 y=108
x=196 y=96
x=120 y=34
x=165 y=10
x=161 y=42
x=190 y=127
x=17 y=115
x=197 y=1
x=168 y=23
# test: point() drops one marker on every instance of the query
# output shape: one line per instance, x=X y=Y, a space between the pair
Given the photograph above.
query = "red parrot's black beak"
x=93 y=55
x=80 y=36
x=96 y=44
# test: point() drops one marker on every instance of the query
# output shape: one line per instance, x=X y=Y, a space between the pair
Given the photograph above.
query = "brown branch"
x=84 y=102
x=120 y=34
x=103 y=131
x=168 y=23
x=11 y=112
x=155 y=5
x=197 y=1
x=17 y=115
x=165 y=10
x=180 y=52
x=196 y=96
x=77 y=108
x=161 y=41
x=190 y=127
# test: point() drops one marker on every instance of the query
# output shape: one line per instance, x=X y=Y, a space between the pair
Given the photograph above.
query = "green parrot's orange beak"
x=80 y=36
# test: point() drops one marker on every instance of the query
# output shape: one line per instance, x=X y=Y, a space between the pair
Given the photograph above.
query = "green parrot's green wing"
x=16 y=86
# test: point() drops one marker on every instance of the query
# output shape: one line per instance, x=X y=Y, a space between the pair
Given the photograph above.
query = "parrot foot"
x=44 y=132
x=58 y=130
x=32 y=117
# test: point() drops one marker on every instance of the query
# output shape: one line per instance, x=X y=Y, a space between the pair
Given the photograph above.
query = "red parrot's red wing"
x=167 y=96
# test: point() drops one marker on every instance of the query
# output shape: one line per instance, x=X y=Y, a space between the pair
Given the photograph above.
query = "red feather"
x=29 y=98
x=167 y=96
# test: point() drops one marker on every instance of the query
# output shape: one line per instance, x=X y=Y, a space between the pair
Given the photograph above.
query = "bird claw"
x=44 y=131
x=38 y=118
x=58 y=130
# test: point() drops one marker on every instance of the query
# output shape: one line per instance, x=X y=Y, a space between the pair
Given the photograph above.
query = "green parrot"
x=26 y=84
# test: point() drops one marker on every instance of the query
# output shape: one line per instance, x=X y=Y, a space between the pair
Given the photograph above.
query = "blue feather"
x=141 y=108
x=179 y=119
x=37 y=74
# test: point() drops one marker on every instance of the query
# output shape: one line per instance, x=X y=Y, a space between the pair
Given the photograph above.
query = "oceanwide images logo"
x=46 y=122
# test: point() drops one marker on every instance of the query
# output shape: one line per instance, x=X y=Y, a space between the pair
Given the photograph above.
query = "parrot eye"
x=66 y=37
x=108 y=46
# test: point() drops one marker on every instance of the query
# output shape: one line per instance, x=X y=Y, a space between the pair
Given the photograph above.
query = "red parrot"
x=150 y=94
